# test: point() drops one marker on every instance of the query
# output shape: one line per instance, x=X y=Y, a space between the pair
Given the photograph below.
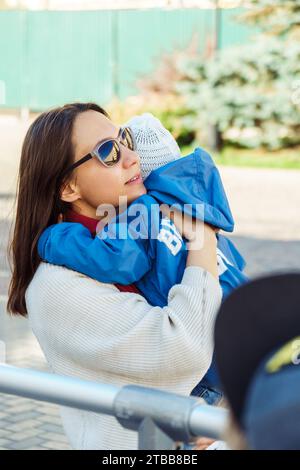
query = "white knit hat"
x=155 y=145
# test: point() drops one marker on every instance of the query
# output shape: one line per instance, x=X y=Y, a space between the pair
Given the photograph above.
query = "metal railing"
x=161 y=419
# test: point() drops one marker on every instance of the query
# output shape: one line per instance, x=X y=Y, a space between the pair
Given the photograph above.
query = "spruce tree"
x=276 y=17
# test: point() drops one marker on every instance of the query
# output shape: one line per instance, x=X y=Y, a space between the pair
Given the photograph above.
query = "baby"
x=154 y=257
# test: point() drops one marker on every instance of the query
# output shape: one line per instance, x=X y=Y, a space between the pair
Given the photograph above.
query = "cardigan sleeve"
x=109 y=259
x=99 y=328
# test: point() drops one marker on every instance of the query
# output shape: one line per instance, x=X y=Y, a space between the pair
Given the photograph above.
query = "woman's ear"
x=70 y=192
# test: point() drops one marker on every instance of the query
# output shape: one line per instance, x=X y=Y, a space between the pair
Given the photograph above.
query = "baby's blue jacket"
x=153 y=264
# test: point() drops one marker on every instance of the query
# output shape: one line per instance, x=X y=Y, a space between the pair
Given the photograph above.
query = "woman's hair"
x=47 y=151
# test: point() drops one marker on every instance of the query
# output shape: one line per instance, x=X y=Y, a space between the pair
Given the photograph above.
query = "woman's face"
x=95 y=183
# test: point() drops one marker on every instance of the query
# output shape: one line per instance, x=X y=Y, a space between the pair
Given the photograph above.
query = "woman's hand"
x=202 y=443
x=186 y=225
x=202 y=241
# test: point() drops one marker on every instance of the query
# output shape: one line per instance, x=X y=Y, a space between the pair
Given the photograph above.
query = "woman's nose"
x=130 y=157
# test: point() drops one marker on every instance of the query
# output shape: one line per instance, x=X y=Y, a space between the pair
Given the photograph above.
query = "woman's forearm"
x=202 y=241
x=204 y=256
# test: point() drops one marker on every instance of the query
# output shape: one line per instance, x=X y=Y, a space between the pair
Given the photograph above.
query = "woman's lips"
x=135 y=180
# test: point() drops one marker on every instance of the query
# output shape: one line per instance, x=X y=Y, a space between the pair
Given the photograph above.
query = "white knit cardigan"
x=92 y=331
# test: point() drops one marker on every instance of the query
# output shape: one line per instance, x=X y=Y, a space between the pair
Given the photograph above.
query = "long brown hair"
x=47 y=151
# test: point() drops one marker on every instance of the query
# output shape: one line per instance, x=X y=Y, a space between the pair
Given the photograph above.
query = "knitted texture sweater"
x=92 y=331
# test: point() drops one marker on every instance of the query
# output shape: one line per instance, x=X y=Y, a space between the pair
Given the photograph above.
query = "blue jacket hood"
x=197 y=180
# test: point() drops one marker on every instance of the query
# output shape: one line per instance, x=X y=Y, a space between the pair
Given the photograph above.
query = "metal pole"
x=218 y=34
x=164 y=418
x=161 y=418
x=151 y=437
x=218 y=25
x=208 y=420
x=62 y=390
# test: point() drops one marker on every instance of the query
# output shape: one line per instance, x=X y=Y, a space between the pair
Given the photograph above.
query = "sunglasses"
x=108 y=151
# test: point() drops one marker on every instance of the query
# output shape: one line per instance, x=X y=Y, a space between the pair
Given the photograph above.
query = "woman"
x=91 y=330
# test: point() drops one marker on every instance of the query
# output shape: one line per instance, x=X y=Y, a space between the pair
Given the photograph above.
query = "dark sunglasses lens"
x=109 y=152
x=127 y=138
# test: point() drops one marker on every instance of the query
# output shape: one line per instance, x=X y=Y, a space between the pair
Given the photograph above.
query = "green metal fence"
x=49 y=58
